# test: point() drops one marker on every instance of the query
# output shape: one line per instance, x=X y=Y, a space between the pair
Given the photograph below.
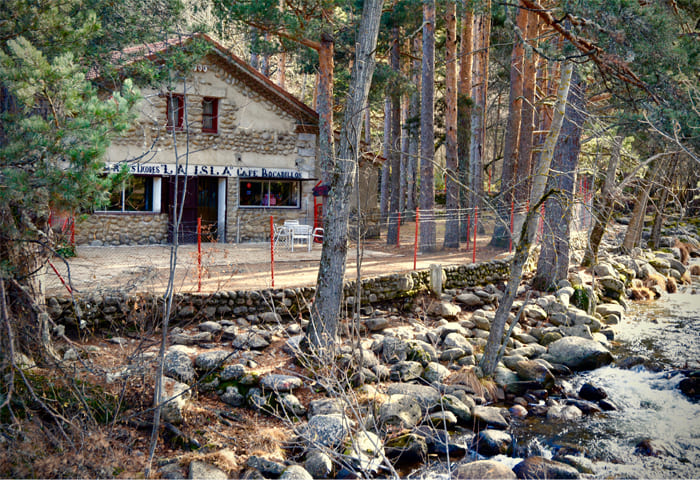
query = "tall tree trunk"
x=325 y=107
x=265 y=60
x=633 y=235
x=602 y=206
x=479 y=94
x=403 y=171
x=323 y=327
x=553 y=263
x=527 y=118
x=282 y=71
x=529 y=226
x=395 y=150
x=413 y=131
x=501 y=231
x=254 y=56
x=660 y=217
x=386 y=167
x=451 y=160
x=464 y=118
x=427 y=134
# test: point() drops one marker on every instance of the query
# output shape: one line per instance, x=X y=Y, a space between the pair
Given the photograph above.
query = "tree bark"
x=323 y=326
x=501 y=231
x=602 y=207
x=451 y=161
x=413 y=131
x=386 y=167
x=553 y=263
x=479 y=95
x=660 y=217
x=633 y=235
x=325 y=107
x=464 y=118
x=427 y=142
x=395 y=149
x=527 y=119
x=529 y=226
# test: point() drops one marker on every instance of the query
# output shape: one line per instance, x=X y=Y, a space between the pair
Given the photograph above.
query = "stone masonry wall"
x=122 y=229
x=128 y=311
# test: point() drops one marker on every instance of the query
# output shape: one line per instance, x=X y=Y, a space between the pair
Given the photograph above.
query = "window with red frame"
x=176 y=111
x=210 y=115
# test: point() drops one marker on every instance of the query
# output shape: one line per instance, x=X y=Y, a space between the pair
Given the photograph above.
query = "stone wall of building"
x=122 y=229
x=121 y=310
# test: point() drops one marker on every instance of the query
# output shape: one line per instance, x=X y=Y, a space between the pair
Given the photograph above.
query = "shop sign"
x=166 y=169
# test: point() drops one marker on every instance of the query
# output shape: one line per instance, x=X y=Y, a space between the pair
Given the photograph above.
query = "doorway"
x=200 y=200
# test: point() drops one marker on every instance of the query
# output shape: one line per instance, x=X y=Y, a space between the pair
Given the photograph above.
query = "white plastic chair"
x=302 y=233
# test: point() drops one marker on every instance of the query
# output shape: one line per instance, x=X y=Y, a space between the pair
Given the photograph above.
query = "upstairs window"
x=210 y=115
x=176 y=111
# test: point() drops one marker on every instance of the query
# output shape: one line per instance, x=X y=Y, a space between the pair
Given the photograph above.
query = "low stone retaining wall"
x=144 y=310
x=122 y=229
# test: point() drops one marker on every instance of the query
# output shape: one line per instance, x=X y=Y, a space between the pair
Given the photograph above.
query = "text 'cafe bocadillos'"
x=212 y=170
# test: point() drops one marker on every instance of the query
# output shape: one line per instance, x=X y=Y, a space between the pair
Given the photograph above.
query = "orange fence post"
x=272 y=250
x=476 y=218
x=415 y=241
x=60 y=277
x=199 y=254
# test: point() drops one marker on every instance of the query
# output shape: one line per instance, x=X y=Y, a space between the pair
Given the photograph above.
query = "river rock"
x=318 y=464
x=426 y=395
x=176 y=396
x=232 y=373
x=325 y=431
x=280 y=383
x=604 y=270
x=211 y=360
x=401 y=411
x=456 y=340
x=376 y=324
x=470 y=300
x=535 y=312
x=541 y=468
x=250 y=340
x=405 y=371
x=485 y=417
x=534 y=371
x=612 y=284
x=579 y=353
x=268 y=467
x=408 y=448
x=691 y=386
x=177 y=365
x=394 y=349
x=292 y=405
x=444 y=309
x=588 y=391
x=435 y=373
x=366 y=451
x=460 y=409
x=204 y=471
x=184 y=338
x=563 y=413
x=210 y=326
x=492 y=442
x=296 y=472
x=420 y=351
x=233 y=397
x=607 y=309
x=483 y=469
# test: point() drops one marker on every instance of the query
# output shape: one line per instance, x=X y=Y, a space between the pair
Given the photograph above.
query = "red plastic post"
x=272 y=250
x=199 y=254
x=512 y=212
x=415 y=241
x=72 y=232
x=60 y=277
x=398 y=232
x=476 y=222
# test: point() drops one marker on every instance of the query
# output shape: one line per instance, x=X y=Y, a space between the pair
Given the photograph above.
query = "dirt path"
x=243 y=266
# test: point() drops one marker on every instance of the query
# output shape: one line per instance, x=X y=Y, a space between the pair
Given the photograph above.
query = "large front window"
x=269 y=194
x=135 y=194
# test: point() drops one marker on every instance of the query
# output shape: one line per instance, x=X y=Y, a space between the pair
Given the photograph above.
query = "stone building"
x=248 y=148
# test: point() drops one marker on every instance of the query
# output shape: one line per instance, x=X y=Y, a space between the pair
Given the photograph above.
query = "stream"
x=650 y=406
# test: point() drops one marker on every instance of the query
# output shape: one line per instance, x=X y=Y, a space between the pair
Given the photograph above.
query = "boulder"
x=607 y=309
x=444 y=309
x=470 y=300
x=456 y=340
x=579 y=353
x=535 y=312
x=405 y=371
x=326 y=430
x=435 y=373
x=401 y=411
x=426 y=395
x=408 y=448
x=604 y=270
x=394 y=349
x=175 y=395
x=291 y=405
x=492 y=442
x=280 y=383
x=296 y=472
x=210 y=326
x=531 y=370
x=233 y=397
x=204 y=471
x=177 y=365
x=461 y=410
x=563 y=413
x=541 y=468
x=485 y=417
x=250 y=340
x=420 y=351
x=588 y=391
x=318 y=464
x=483 y=469
x=212 y=360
